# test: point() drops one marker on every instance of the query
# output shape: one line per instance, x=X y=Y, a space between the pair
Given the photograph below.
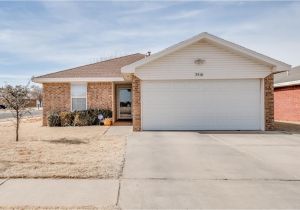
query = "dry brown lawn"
x=59 y=208
x=61 y=152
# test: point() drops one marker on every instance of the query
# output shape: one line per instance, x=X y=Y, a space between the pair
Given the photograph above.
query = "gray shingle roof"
x=107 y=68
x=289 y=76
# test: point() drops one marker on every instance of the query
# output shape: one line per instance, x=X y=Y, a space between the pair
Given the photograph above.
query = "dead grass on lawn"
x=61 y=152
x=59 y=208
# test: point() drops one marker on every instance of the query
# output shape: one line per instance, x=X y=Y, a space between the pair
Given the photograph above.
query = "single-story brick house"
x=287 y=95
x=202 y=83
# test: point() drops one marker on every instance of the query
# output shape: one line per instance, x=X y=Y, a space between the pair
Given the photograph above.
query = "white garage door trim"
x=262 y=104
x=261 y=111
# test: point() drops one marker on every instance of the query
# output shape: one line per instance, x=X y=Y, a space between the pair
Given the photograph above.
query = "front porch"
x=123 y=123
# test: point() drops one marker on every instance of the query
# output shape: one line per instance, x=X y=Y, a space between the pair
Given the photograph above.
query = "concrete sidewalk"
x=209 y=194
x=59 y=193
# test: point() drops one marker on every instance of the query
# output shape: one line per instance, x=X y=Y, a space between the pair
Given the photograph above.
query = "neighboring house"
x=203 y=83
x=287 y=95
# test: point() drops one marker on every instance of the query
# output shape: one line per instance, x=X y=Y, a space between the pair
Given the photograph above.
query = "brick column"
x=136 y=103
x=269 y=103
x=56 y=97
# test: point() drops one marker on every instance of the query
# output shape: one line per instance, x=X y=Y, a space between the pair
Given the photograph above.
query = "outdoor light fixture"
x=199 y=61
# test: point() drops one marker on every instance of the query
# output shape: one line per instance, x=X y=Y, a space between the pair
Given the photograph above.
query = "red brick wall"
x=136 y=103
x=287 y=103
x=100 y=95
x=56 y=97
x=269 y=102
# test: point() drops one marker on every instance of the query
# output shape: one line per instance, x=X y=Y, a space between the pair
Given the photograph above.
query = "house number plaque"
x=198 y=74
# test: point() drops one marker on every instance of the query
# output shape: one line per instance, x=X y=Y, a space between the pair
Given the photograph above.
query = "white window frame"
x=71 y=96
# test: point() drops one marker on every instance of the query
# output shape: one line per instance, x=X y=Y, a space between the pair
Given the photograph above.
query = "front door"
x=124 y=103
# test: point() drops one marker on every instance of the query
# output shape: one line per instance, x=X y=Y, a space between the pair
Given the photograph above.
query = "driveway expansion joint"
x=121 y=173
x=216 y=179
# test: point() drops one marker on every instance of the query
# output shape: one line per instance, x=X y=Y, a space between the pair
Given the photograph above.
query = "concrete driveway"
x=193 y=170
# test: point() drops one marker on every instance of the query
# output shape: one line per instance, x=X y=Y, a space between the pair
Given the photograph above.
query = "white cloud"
x=184 y=15
x=145 y=7
x=78 y=41
x=13 y=76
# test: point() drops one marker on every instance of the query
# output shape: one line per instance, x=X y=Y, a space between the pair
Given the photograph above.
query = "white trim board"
x=262 y=104
x=284 y=84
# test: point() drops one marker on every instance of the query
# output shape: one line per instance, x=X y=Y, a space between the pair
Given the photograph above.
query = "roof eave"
x=281 y=68
x=285 y=84
x=77 y=79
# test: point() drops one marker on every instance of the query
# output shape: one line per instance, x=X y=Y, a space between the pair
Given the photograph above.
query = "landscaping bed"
x=59 y=152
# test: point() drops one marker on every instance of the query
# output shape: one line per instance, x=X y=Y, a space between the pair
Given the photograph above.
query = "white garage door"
x=201 y=105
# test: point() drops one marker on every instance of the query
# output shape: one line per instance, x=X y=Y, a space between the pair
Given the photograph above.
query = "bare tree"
x=37 y=94
x=16 y=99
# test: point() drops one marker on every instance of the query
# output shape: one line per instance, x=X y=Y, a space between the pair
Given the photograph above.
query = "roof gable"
x=276 y=65
x=202 y=60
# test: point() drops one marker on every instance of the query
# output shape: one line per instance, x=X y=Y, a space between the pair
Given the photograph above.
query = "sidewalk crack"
x=5 y=180
x=121 y=173
x=118 y=195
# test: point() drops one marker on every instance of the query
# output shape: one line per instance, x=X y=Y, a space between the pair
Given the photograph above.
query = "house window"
x=78 y=96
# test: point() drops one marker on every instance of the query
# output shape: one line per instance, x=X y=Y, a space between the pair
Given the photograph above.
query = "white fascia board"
x=276 y=65
x=78 y=79
x=284 y=84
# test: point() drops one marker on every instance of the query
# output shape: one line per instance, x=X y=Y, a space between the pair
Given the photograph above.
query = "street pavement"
x=6 y=114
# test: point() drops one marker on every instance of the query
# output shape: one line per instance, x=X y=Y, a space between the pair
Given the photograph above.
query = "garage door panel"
x=201 y=105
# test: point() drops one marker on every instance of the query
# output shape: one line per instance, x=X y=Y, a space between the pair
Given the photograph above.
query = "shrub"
x=54 y=119
x=78 y=118
x=93 y=116
x=107 y=113
x=81 y=118
x=66 y=118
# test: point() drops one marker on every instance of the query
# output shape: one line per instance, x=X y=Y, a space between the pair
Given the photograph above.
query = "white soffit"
x=277 y=65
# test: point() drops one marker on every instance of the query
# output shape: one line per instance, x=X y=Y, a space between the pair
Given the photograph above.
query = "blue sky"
x=38 y=37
